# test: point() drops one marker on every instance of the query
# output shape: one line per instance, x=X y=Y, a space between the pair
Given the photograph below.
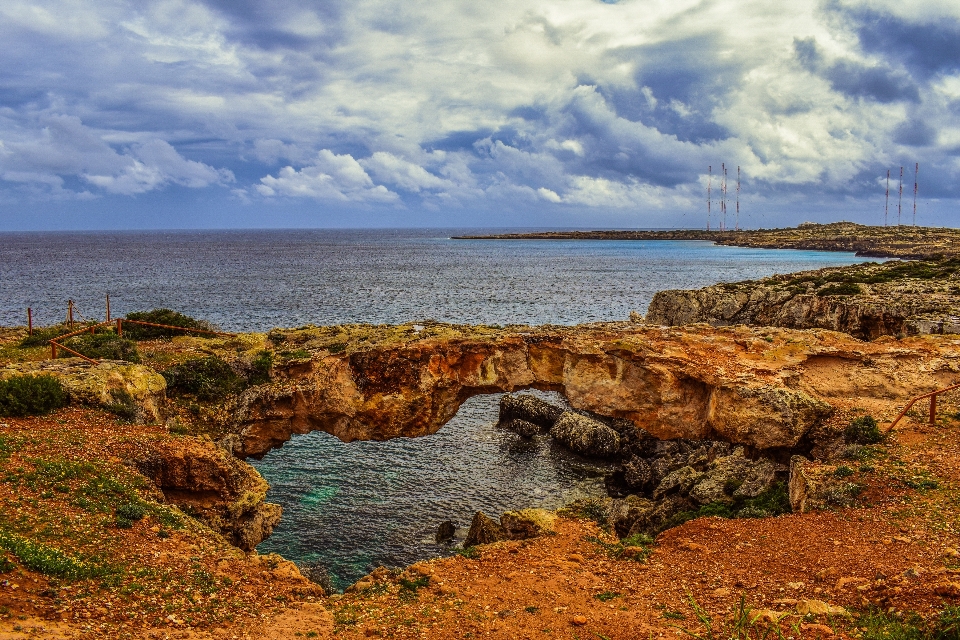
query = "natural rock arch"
x=674 y=383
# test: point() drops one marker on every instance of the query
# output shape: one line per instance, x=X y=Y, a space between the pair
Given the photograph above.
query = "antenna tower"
x=723 y=202
x=916 y=174
x=900 y=199
x=886 y=204
x=709 y=198
x=738 y=197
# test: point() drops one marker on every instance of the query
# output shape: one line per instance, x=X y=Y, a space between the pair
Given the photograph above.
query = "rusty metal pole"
x=933 y=409
x=70 y=313
x=29 y=321
x=119 y=326
x=108 y=307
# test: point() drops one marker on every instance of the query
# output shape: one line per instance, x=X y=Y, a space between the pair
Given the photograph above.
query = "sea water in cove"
x=352 y=507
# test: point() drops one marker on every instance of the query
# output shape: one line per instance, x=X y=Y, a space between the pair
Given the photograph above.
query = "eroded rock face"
x=687 y=384
x=861 y=307
x=204 y=480
x=586 y=436
x=102 y=385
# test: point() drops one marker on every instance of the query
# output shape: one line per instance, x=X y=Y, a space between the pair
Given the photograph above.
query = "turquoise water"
x=355 y=506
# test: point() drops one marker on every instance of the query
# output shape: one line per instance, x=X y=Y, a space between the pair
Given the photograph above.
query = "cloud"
x=501 y=105
x=331 y=177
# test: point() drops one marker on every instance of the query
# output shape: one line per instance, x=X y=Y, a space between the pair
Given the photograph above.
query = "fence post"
x=108 y=307
x=29 y=321
x=933 y=409
x=70 y=313
x=120 y=326
x=53 y=350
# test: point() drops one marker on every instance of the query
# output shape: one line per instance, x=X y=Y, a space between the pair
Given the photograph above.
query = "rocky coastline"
x=727 y=412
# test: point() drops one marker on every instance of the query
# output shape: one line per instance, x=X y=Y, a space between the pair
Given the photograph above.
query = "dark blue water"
x=355 y=506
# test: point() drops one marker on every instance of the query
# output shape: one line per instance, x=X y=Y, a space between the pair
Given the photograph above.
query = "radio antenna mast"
x=886 y=204
x=900 y=200
x=723 y=202
x=709 y=198
x=916 y=174
x=738 y=197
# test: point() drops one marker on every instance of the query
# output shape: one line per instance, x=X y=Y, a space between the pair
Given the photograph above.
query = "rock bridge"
x=365 y=382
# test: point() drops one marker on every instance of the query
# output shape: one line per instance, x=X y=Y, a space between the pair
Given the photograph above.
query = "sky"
x=569 y=113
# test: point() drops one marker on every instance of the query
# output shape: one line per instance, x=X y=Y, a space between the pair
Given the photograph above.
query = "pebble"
x=579 y=620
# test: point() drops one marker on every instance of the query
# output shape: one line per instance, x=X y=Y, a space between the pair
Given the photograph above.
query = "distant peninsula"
x=906 y=242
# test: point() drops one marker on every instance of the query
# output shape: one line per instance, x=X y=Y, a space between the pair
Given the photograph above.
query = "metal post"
x=108 y=307
x=29 y=321
x=886 y=203
x=70 y=314
x=900 y=198
x=119 y=326
x=709 y=196
x=916 y=176
x=933 y=409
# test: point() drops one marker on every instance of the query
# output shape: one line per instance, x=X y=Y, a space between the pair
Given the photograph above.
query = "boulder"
x=630 y=512
x=522 y=427
x=586 y=436
x=527 y=523
x=530 y=409
x=483 y=530
x=679 y=481
x=102 y=385
x=445 y=531
x=816 y=486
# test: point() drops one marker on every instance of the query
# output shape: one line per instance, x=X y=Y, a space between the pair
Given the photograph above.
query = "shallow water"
x=358 y=505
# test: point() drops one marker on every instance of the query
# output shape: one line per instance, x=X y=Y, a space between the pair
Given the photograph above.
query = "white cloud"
x=331 y=177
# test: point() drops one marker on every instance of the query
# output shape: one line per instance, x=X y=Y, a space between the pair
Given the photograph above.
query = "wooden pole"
x=53 y=350
x=70 y=314
x=29 y=321
x=108 y=307
x=119 y=326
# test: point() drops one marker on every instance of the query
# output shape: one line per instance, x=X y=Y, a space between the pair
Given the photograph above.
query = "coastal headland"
x=130 y=512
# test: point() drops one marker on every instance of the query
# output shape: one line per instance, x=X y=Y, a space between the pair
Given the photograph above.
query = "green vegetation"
x=408 y=588
x=208 y=379
x=48 y=560
x=772 y=502
x=122 y=405
x=42 y=335
x=260 y=368
x=863 y=430
x=617 y=550
x=872 y=274
x=877 y=625
x=161 y=316
x=843 y=471
x=26 y=395
x=469 y=552
x=606 y=596
x=102 y=346
x=842 y=289
x=128 y=513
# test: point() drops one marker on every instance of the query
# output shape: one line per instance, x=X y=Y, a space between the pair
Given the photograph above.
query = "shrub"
x=128 y=513
x=161 y=316
x=209 y=379
x=27 y=395
x=260 y=368
x=122 y=405
x=102 y=346
x=863 y=430
x=842 y=289
x=42 y=335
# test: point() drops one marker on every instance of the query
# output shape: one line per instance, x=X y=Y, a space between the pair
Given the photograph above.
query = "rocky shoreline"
x=905 y=242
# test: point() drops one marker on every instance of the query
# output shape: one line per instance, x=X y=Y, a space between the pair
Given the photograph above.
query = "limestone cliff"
x=741 y=385
x=210 y=484
x=866 y=301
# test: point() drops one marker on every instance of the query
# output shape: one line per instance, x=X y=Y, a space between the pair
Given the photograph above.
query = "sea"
x=350 y=507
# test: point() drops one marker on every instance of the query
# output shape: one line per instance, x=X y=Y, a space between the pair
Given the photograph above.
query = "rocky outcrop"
x=384 y=383
x=586 y=436
x=867 y=301
x=483 y=530
x=529 y=409
x=212 y=485
x=103 y=385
